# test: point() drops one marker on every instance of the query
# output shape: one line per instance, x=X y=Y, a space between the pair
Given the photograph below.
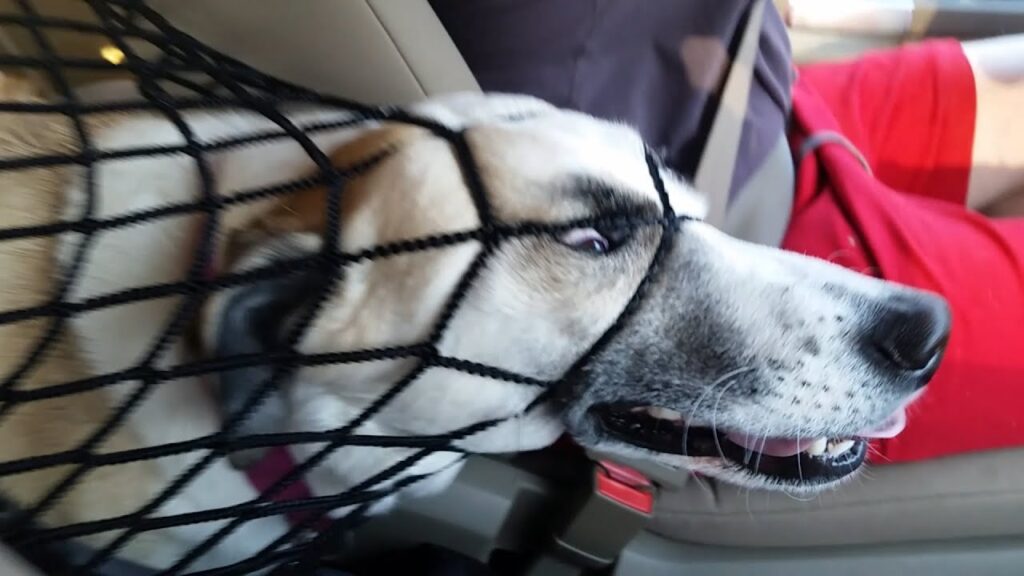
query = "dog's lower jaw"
x=715 y=468
x=312 y=406
x=537 y=429
x=430 y=475
x=430 y=485
x=736 y=476
x=351 y=466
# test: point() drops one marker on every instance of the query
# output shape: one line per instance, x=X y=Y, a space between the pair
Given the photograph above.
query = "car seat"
x=958 y=515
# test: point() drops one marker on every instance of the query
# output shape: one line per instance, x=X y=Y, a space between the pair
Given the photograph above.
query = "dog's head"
x=762 y=367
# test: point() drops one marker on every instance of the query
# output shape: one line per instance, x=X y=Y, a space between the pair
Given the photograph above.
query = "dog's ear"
x=253 y=319
x=306 y=210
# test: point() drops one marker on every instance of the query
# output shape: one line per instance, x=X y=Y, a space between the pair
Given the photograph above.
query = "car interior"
x=562 y=513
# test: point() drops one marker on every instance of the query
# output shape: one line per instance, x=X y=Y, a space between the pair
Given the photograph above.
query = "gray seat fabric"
x=971 y=496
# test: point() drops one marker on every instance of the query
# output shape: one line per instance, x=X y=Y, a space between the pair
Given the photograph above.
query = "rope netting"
x=175 y=74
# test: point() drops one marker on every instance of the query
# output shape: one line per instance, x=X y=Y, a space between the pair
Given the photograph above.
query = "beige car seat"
x=374 y=51
x=961 y=515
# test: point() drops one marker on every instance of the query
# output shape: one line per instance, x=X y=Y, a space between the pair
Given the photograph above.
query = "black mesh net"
x=176 y=74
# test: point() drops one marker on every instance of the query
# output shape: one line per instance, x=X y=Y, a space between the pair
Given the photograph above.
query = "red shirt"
x=910 y=112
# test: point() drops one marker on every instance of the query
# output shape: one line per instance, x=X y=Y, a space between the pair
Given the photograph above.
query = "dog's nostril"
x=913 y=330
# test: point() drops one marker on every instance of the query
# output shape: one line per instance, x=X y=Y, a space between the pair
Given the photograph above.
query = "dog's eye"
x=586 y=240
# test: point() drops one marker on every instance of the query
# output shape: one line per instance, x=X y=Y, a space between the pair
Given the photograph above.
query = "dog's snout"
x=912 y=331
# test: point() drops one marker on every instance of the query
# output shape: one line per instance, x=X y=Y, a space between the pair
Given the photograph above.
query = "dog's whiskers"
x=689 y=417
x=876 y=452
x=706 y=487
x=797 y=497
x=700 y=400
x=714 y=419
x=750 y=512
x=799 y=466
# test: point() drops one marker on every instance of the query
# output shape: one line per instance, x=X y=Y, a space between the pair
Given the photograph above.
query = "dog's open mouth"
x=797 y=461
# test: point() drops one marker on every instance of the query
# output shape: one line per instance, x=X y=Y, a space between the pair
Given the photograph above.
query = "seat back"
x=373 y=51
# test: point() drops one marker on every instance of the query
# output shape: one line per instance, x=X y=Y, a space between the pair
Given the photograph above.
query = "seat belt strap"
x=718 y=162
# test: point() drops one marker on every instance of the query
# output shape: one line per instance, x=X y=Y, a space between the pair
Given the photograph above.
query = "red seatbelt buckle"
x=605 y=516
x=624 y=485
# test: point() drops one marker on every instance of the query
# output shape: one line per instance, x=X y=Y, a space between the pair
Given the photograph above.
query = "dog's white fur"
x=117 y=338
x=530 y=312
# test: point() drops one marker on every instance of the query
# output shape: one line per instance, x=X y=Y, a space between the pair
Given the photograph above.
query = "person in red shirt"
x=908 y=163
x=927 y=189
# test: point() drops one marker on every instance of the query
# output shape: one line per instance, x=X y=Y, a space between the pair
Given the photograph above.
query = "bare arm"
x=997 y=176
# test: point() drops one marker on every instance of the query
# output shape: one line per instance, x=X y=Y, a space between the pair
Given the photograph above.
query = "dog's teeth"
x=638 y=410
x=837 y=447
x=818 y=448
x=664 y=414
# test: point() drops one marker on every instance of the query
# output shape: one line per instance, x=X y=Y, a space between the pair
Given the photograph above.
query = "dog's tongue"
x=888 y=429
x=770 y=446
x=790 y=446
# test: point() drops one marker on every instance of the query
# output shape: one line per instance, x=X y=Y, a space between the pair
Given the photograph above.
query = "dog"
x=760 y=367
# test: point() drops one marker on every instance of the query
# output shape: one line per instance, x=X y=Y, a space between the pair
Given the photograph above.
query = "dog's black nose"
x=912 y=331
